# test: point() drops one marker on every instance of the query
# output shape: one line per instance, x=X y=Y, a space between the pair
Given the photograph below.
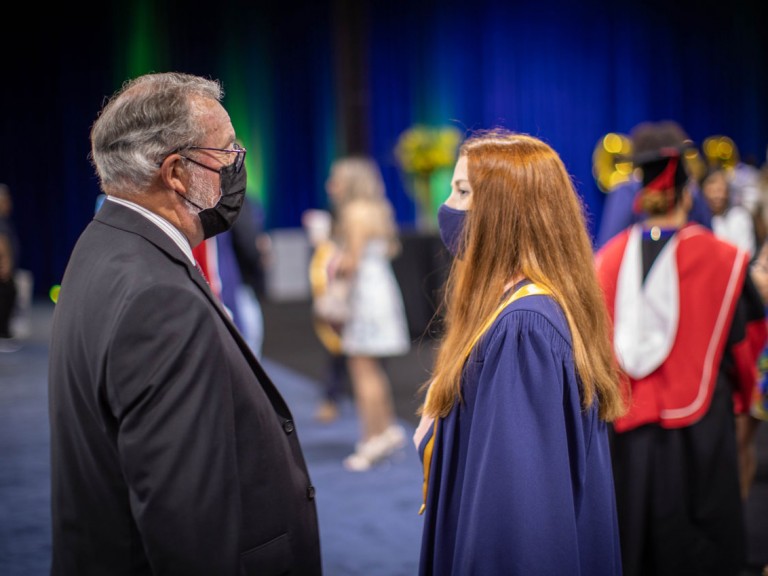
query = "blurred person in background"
x=376 y=327
x=7 y=292
x=744 y=179
x=7 y=225
x=747 y=423
x=15 y=282
x=318 y=225
x=251 y=246
x=731 y=222
x=688 y=327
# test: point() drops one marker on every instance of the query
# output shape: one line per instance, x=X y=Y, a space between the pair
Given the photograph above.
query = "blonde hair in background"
x=361 y=178
x=525 y=218
x=361 y=183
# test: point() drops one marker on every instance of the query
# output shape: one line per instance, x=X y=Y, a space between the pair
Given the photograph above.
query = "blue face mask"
x=451 y=224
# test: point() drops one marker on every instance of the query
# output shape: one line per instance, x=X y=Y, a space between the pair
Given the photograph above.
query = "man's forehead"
x=216 y=122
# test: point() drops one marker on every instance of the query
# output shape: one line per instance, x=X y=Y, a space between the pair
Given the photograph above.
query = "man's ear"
x=173 y=175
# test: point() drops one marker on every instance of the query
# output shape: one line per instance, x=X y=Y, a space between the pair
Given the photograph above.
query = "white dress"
x=377 y=325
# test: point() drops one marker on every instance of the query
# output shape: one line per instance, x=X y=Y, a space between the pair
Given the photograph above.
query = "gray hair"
x=147 y=119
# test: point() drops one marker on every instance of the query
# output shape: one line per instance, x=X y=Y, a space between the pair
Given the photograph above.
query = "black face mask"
x=221 y=217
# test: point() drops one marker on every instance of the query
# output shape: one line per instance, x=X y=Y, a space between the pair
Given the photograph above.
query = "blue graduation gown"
x=520 y=480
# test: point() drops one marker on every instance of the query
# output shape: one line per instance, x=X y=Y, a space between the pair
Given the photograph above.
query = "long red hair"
x=526 y=218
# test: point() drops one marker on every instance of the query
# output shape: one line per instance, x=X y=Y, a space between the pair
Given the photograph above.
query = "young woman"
x=376 y=327
x=513 y=434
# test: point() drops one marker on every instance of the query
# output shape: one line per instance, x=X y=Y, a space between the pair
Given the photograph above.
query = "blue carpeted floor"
x=369 y=522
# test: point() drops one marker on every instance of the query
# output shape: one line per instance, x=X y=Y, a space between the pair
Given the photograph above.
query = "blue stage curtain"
x=567 y=72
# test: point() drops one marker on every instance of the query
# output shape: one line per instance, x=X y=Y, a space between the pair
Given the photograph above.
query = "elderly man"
x=172 y=451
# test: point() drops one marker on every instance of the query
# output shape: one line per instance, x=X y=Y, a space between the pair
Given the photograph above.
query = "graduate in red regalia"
x=688 y=327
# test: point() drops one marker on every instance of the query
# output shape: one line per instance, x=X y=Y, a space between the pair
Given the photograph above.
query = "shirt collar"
x=169 y=229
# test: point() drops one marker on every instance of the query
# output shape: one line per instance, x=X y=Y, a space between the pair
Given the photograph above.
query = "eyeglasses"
x=236 y=149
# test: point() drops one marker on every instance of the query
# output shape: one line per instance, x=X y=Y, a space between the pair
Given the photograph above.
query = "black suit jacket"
x=171 y=450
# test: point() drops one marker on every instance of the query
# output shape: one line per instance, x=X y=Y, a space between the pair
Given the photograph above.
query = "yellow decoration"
x=53 y=293
x=693 y=161
x=421 y=151
x=609 y=165
x=721 y=151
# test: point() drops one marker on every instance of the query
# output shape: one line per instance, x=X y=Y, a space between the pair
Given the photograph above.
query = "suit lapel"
x=124 y=218
x=118 y=216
